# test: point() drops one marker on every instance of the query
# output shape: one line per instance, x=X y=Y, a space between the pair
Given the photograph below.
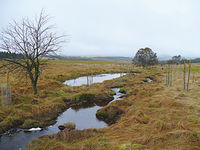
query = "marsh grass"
x=53 y=95
x=154 y=116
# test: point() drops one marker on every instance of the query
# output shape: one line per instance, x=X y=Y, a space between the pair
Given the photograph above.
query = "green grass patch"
x=82 y=96
x=194 y=120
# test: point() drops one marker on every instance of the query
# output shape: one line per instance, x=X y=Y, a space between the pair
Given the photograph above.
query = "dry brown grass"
x=157 y=119
x=53 y=95
x=58 y=71
x=155 y=116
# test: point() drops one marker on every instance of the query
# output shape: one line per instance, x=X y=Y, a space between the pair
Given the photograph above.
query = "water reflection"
x=92 y=79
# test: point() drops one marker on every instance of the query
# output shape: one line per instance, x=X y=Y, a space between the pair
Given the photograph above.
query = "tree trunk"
x=34 y=82
x=34 y=85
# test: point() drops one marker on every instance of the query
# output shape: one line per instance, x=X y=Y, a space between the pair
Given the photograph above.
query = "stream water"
x=92 y=79
x=84 y=117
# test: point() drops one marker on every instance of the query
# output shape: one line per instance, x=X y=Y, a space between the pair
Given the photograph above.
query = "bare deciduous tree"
x=33 y=40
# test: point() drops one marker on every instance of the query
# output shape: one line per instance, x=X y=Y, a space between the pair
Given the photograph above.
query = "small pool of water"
x=92 y=79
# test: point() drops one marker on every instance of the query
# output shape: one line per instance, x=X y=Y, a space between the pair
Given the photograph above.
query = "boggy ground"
x=152 y=116
x=28 y=110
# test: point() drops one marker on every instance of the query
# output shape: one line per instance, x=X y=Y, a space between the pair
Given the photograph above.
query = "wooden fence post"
x=166 y=76
x=184 y=72
x=189 y=75
x=171 y=70
x=169 y=75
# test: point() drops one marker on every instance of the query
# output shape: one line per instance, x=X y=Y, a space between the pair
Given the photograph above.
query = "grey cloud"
x=117 y=27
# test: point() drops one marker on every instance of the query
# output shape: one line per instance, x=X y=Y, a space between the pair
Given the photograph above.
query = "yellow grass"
x=155 y=116
x=52 y=93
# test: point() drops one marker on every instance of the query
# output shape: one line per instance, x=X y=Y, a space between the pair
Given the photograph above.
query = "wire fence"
x=173 y=70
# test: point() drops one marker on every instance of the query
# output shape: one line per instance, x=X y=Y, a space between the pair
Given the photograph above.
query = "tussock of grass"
x=82 y=97
x=109 y=114
x=68 y=125
x=30 y=123
x=131 y=146
x=74 y=139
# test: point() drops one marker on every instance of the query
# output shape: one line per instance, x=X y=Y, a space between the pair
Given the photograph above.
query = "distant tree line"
x=196 y=60
x=146 y=57
x=4 y=55
x=178 y=60
x=92 y=58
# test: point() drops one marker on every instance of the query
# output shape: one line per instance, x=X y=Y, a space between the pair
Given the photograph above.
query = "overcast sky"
x=117 y=27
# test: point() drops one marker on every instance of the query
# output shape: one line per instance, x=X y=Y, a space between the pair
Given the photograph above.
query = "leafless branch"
x=33 y=39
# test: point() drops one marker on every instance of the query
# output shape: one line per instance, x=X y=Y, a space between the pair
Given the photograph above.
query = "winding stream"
x=82 y=117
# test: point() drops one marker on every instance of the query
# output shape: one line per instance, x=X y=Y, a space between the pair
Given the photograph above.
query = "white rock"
x=35 y=129
x=149 y=80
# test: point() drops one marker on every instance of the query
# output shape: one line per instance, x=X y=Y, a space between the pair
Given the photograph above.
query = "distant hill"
x=196 y=60
x=164 y=57
x=162 y=60
x=14 y=55
x=109 y=58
